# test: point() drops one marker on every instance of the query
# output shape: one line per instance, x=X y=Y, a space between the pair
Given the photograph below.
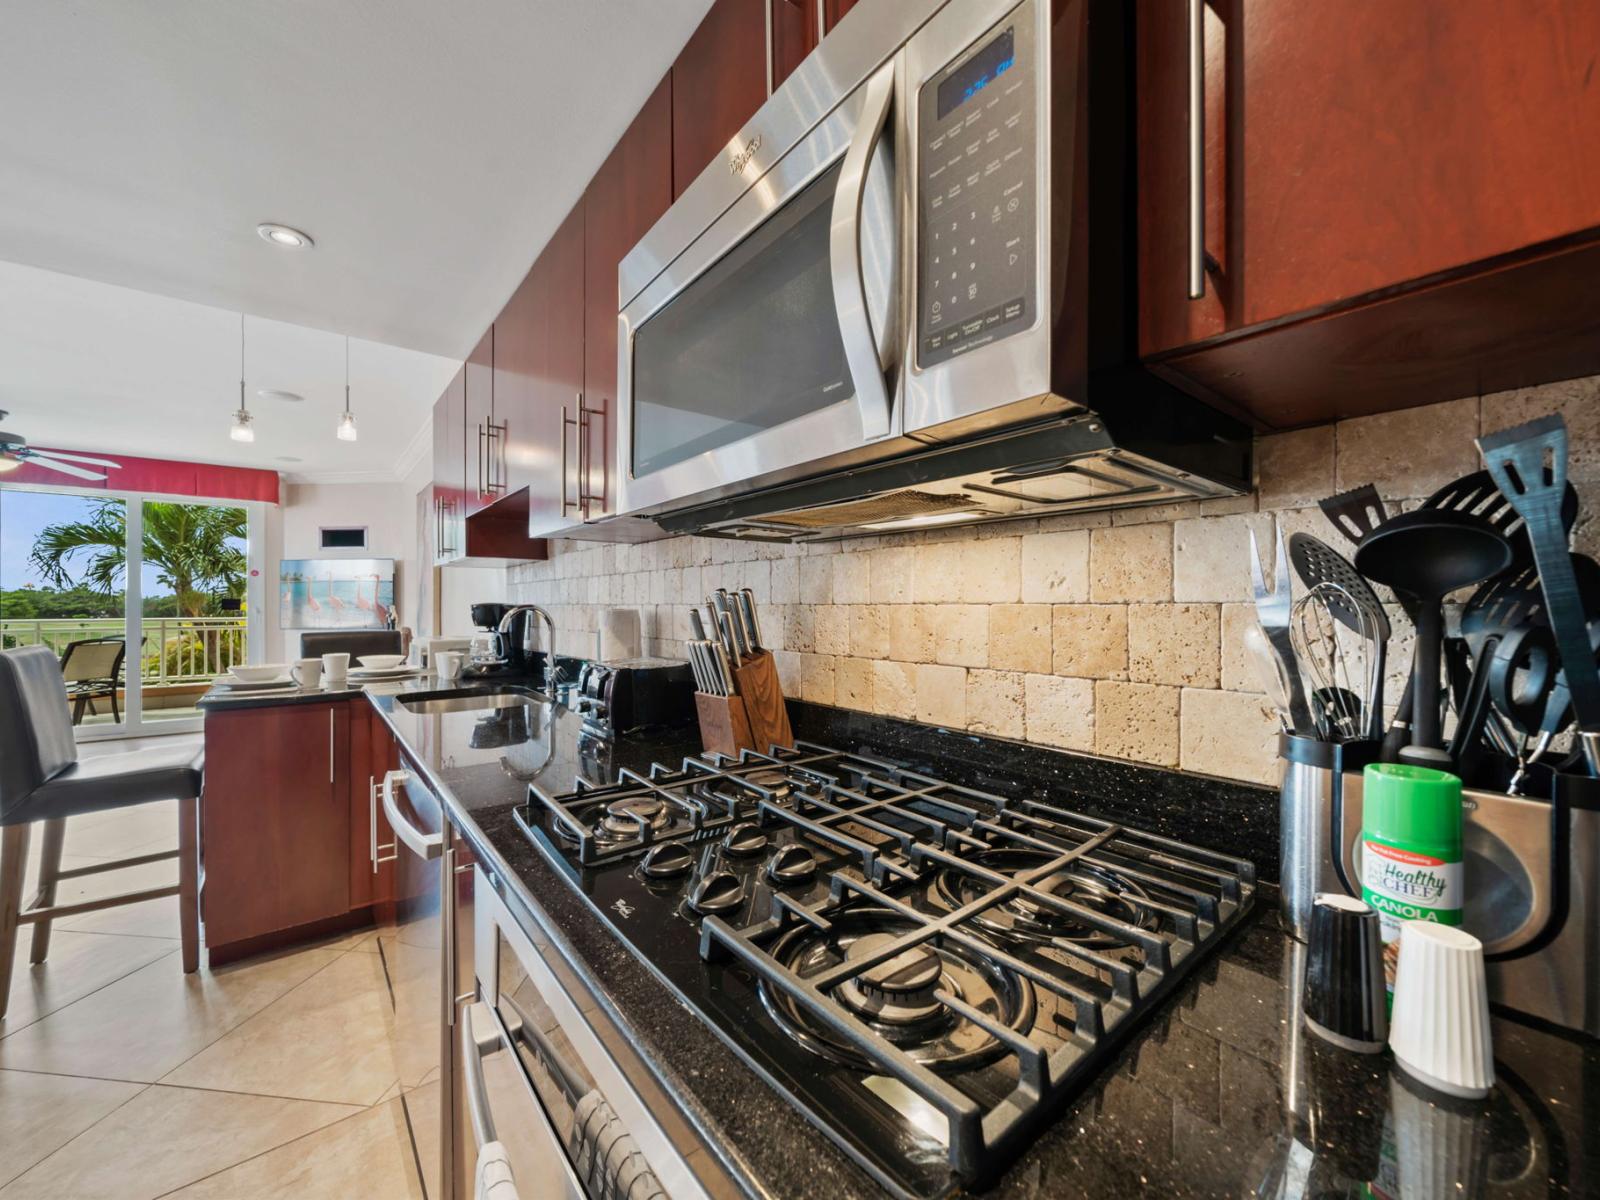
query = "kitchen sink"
x=467 y=702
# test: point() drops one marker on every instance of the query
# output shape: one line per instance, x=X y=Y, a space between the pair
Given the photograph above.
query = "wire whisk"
x=1339 y=662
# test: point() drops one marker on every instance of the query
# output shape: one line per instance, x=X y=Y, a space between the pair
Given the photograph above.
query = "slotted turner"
x=1355 y=513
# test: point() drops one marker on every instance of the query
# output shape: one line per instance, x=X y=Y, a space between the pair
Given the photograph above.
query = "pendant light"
x=242 y=430
x=347 y=422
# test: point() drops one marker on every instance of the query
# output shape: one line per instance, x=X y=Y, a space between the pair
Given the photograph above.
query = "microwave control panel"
x=977 y=209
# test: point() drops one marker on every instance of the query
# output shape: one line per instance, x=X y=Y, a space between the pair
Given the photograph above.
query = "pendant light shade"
x=243 y=430
x=347 y=420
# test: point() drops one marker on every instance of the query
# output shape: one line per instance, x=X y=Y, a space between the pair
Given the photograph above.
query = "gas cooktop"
x=929 y=971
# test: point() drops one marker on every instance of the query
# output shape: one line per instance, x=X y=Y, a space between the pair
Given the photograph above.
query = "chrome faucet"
x=553 y=670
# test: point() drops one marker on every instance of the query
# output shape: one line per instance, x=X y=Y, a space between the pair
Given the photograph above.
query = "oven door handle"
x=492 y=1177
x=426 y=846
x=844 y=255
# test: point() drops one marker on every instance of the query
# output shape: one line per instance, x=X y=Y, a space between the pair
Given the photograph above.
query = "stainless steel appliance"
x=635 y=693
x=906 y=293
x=926 y=970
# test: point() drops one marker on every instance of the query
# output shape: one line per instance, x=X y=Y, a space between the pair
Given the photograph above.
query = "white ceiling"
x=89 y=366
x=429 y=147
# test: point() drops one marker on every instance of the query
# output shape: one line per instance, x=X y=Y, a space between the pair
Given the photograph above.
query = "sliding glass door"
x=144 y=600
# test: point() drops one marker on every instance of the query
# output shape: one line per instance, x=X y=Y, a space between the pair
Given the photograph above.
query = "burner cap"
x=898 y=990
x=623 y=817
x=1026 y=918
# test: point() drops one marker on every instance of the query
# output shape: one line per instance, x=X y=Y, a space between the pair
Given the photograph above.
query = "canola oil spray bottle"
x=1410 y=850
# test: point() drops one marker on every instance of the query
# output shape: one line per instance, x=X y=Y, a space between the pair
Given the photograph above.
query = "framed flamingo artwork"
x=335 y=593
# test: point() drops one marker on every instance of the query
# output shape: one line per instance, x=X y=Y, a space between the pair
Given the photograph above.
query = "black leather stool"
x=43 y=781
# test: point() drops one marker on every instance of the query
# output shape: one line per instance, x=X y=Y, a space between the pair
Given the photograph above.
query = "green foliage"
x=47 y=603
x=195 y=549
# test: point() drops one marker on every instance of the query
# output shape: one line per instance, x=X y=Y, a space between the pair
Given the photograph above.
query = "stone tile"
x=892 y=574
x=817 y=678
x=961 y=634
x=367 y=1155
x=785 y=587
x=788 y=664
x=969 y=572
x=333 y=1039
x=1211 y=556
x=147 y=1023
x=1089 y=640
x=1137 y=721
x=1238 y=673
x=995 y=703
x=852 y=574
x=1295 y=469
x=41 y=1113
x=894 y=689
x=800 y=628
x=1232 y=734
x=1019 y=637
x=1059 y=711
x=1055 y=567
x=942 y=695
x=869 y=630
x=816 y=580
x=1131 y=562
x=852 y=685
x=166 y=1137
x=79 y=965
x=832 y=629
x=911 y=632
x=1411 y=453
x=1578 y=400
x=1174 y=644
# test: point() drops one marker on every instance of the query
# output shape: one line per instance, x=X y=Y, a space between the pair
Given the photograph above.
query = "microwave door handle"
x=844 y=254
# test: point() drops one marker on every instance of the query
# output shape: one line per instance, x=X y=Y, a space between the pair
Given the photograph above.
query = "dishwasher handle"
x=426 y=846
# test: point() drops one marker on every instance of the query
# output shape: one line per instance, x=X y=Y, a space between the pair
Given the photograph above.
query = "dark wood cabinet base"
x=298 y=935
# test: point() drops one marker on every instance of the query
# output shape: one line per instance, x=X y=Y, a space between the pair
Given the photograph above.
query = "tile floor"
x=123 y=1079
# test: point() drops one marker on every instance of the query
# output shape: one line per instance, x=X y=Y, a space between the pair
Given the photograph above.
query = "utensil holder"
x=1313 y=773
x=724 y=724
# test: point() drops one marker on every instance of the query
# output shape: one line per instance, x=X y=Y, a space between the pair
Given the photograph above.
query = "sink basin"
x=467 y=702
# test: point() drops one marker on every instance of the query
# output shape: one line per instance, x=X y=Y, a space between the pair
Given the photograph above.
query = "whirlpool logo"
x=738 y=162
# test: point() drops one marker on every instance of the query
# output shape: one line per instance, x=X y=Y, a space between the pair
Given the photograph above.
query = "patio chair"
x=43 y=782
x=91 y=669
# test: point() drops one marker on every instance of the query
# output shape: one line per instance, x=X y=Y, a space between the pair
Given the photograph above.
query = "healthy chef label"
x=1405 y=885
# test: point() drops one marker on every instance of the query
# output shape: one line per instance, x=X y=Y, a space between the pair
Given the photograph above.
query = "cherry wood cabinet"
x=483 y=482
x=794 y=35
x=1372 y=173
x=629 y=193
x=275 y=823
x=450 y=470
x=718 y=81
x=373 y=753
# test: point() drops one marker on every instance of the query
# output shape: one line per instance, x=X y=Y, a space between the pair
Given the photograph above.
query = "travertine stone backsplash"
x=1116 y=633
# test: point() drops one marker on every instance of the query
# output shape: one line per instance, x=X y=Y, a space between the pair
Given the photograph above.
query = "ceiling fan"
x=14 y=452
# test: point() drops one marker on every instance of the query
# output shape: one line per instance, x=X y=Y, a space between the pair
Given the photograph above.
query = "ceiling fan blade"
x=64 y=468
x=77 y=458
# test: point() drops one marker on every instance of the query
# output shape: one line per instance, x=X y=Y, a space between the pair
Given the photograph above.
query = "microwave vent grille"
x=891 y=507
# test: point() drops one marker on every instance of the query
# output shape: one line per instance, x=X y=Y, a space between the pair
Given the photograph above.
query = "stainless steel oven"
x=919 y=242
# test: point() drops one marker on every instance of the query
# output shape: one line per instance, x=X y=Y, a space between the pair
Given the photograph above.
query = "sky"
x=23 y=515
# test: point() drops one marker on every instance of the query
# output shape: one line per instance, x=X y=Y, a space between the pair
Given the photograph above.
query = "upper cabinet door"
x=1351 y=148
x=794 y=35
x=450 y=470
x=485 y=481
x=554 y=494
x=718 y=82
x=626 y=197
x=530 y=434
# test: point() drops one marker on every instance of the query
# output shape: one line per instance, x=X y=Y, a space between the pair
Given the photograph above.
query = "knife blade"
x=696 y=625
x=730 y=638
x=747 y=606
x=725 y=671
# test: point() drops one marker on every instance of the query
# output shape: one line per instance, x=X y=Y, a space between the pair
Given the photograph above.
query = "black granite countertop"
x=1221 y=1094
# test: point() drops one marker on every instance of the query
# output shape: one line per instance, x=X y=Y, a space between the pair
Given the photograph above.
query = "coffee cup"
x=447 y=663
x=307 y=672
x=337 y=666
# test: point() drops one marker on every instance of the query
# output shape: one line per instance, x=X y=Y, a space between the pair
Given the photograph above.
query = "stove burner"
x=896 y=998
x=623 y=817
x=1025 y=919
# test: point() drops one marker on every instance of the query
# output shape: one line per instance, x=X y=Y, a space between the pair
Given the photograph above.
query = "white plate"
x=383 y=673
x=250 y=693
x=234 y=684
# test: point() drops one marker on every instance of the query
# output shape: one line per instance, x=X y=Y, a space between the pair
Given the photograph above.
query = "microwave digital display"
x=978 y=72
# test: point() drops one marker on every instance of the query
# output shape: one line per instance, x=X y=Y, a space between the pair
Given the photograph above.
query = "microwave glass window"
x=751 y=344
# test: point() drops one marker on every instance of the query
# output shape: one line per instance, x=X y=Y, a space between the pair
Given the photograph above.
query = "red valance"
x=165 y=476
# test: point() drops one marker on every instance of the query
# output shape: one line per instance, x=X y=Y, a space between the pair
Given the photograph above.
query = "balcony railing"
x=176 y=649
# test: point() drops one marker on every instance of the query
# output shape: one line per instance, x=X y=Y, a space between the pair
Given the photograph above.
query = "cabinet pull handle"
x=574 y=423
x=767 y=6
x=483 y=486
x=330 y=745
x=1197 y=149
x=822 y=20
x=378 y=857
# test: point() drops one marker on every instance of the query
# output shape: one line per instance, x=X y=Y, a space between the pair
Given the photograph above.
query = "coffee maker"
x=490 y=651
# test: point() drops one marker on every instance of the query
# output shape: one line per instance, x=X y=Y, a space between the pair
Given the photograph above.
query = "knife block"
x=757 y=678
x=724 y=727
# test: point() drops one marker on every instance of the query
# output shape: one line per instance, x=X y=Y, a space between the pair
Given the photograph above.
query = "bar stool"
x=42 y=780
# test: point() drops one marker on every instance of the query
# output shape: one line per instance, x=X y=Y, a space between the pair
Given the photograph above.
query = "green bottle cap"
x=1408 y=805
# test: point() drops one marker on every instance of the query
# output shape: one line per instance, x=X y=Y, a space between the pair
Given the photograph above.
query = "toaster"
x=635 y=693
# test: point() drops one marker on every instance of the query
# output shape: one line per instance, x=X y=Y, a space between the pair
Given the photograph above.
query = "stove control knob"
x=717 y=892
x=744 y=840
x=792 y=864
x=667 y=860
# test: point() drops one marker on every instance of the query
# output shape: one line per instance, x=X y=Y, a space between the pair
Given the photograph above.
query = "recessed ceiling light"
x=285 y=236
x=289 y=458
x=279 y=394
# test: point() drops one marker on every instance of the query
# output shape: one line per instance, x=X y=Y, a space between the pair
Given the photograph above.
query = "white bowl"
x=381 y=662
x=261 y=672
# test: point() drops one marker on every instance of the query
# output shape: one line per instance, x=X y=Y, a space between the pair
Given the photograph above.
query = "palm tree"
x=193 y=547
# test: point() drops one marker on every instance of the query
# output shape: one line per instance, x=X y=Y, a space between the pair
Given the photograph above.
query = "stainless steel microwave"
x=904 y=293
